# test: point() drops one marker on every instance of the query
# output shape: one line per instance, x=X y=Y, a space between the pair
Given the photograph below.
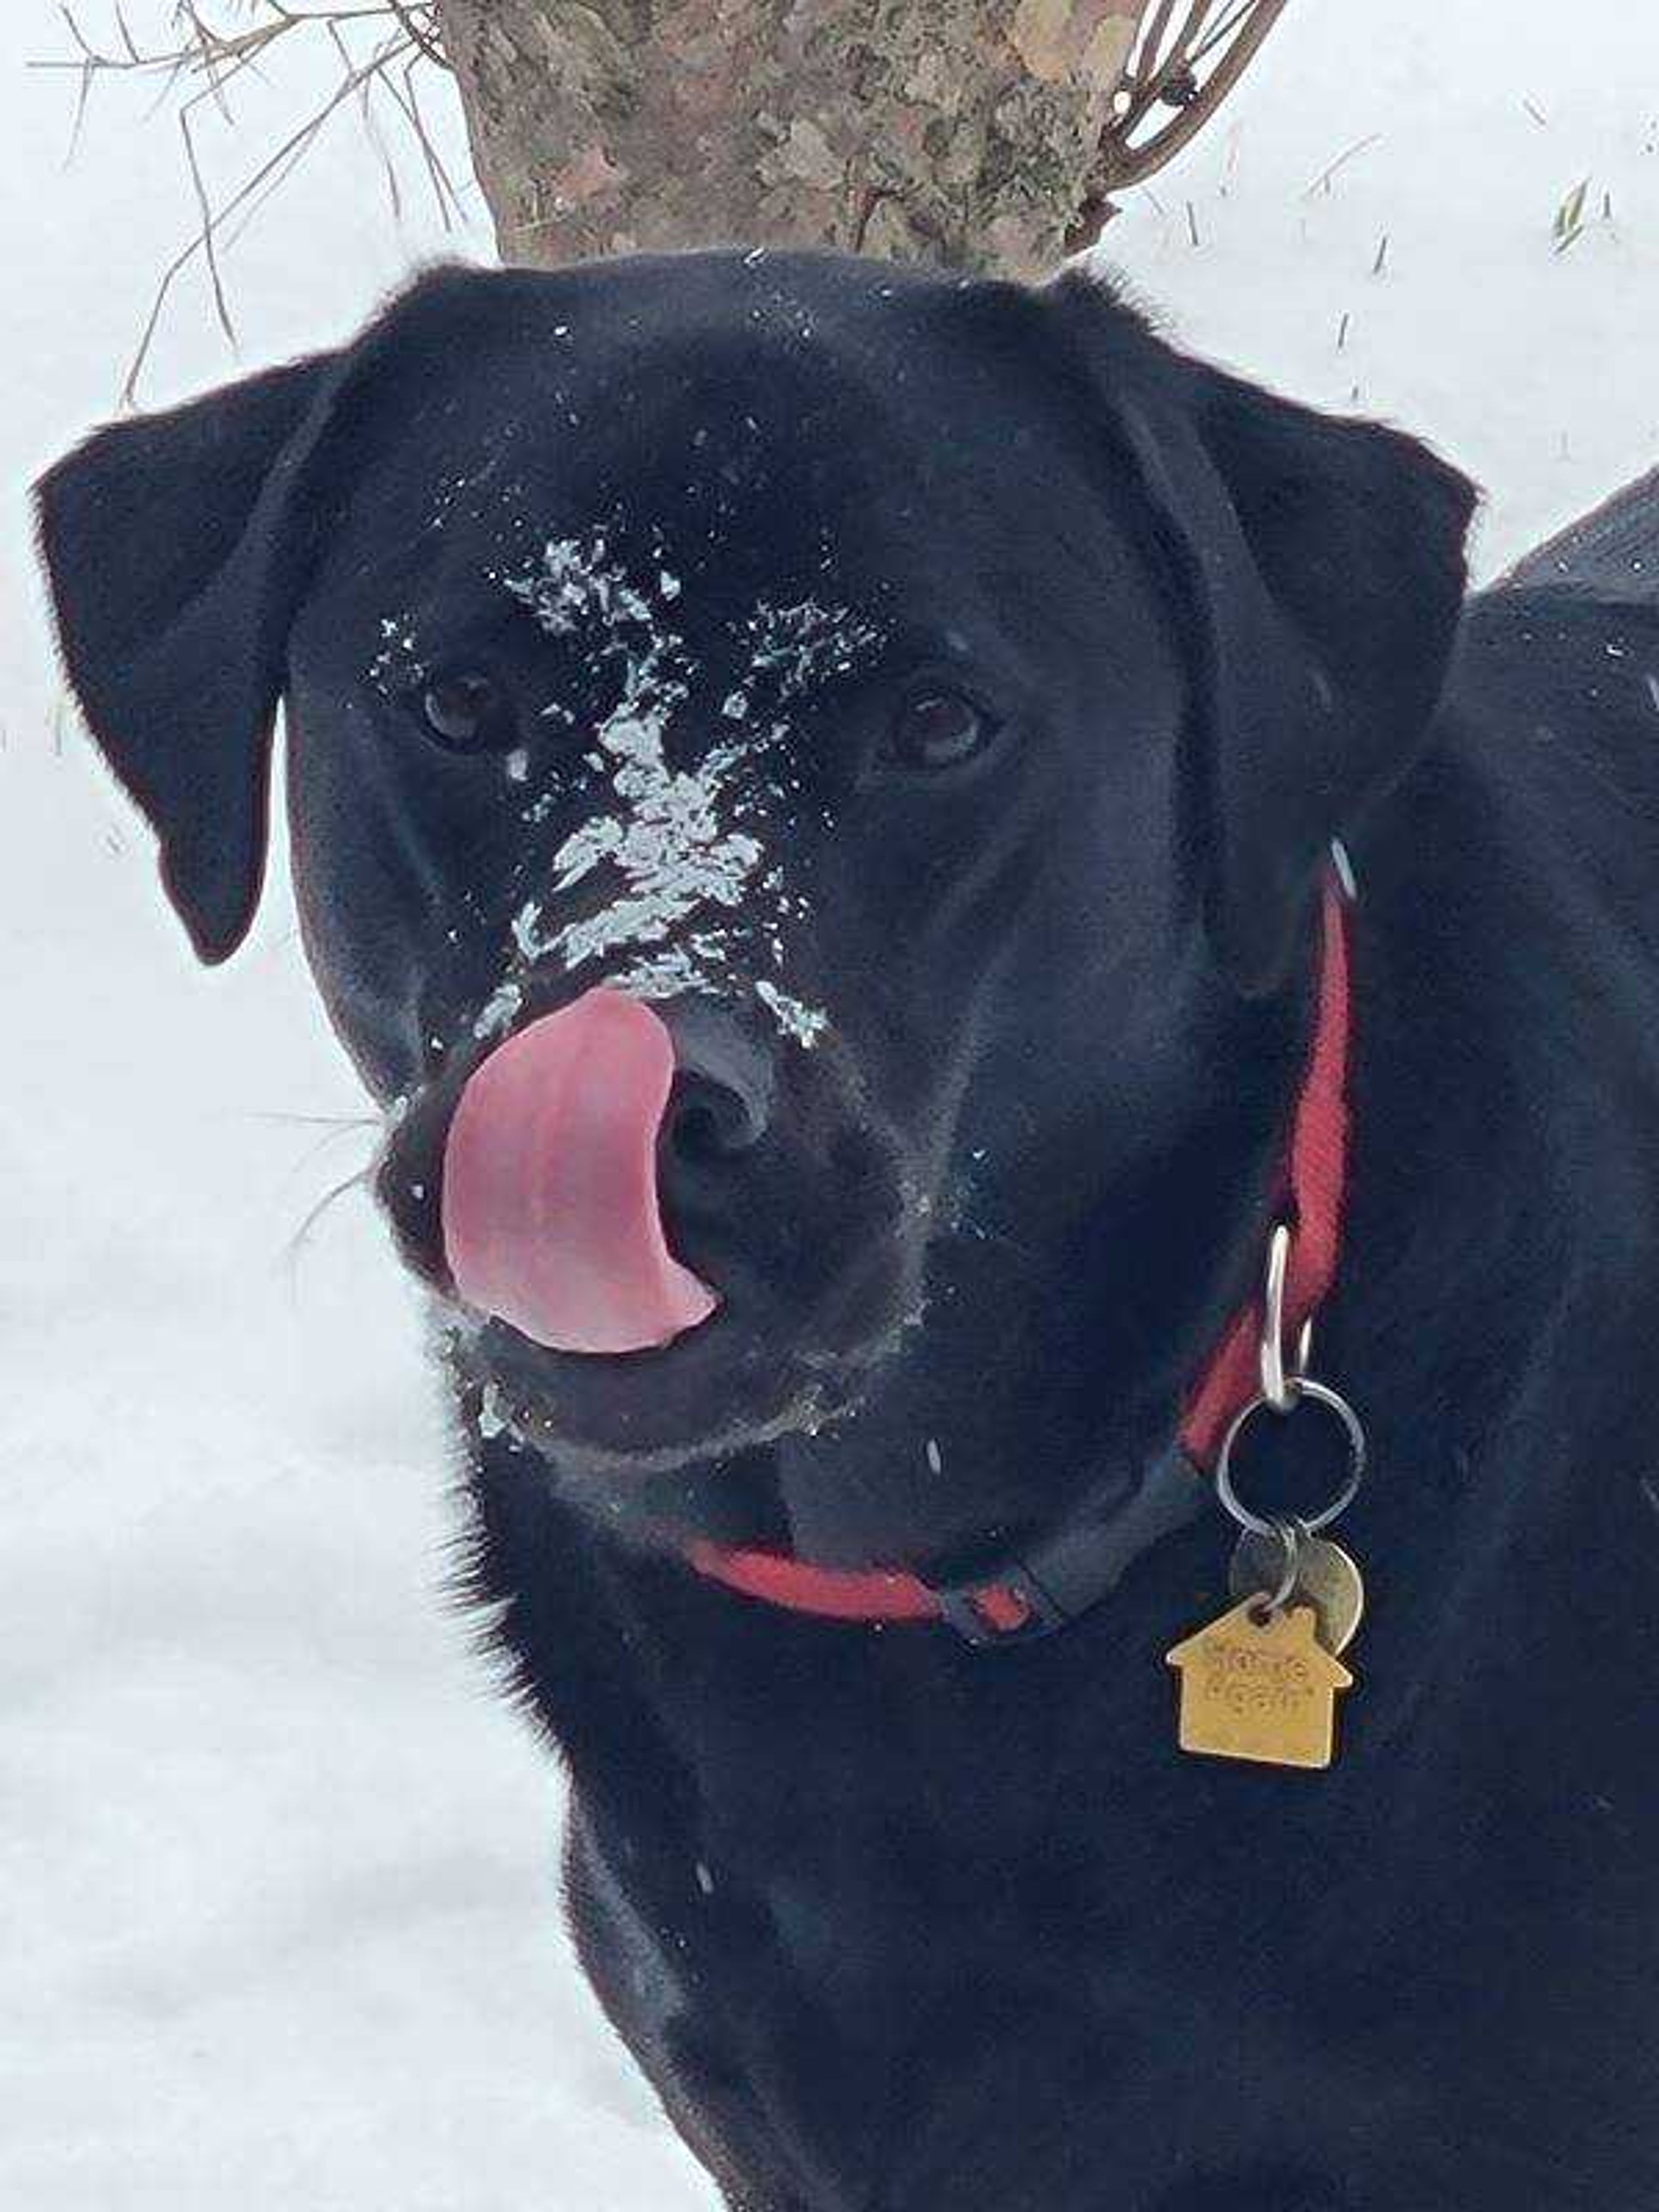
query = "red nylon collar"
x=1308 y=1197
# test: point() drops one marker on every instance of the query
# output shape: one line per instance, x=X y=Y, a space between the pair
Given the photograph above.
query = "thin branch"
x=297 y=144
x=1227 y=41
x=127 y=39
x=1322 y=182
x=420 y=32
x=75 y=33
x=210 y=249
x=371 y=122
x=202 y=62
x=450 y=210
x=1219 y=31
x=1151 y=44
x=1156 y=79
x=87 y=75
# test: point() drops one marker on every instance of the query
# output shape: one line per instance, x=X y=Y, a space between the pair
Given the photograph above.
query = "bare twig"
x=1181 y=68
x=202 y=63
x=277 y=165
x=1322 y=182
x=87 y=75
x=407 y=96
x=210 y=250
x=419 y=27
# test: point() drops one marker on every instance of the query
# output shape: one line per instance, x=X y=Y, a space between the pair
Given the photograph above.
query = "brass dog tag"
x=1326 y=1578
x=1260 y=1686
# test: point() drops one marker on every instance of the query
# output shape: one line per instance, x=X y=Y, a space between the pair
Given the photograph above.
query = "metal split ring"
x=1305 y=1392
x=1293 y=1534
x=1279 y=1382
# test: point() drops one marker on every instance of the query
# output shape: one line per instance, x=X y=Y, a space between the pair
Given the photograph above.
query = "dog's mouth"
x=652 y=1249
x=705 y=1399
x=552 y=1219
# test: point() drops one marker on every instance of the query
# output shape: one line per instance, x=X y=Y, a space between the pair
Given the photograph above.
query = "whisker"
x=332 y=1137
x=333 y=1126
x=292 y=1250
x=320 y=1120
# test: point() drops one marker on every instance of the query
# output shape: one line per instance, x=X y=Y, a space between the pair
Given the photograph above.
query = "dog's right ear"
x=1314 y=567
x=176 y=546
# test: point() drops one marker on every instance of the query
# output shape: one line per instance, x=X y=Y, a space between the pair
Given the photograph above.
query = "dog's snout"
x=720 y=1104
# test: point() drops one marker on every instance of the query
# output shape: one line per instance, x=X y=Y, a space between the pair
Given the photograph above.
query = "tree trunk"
x=982 y=134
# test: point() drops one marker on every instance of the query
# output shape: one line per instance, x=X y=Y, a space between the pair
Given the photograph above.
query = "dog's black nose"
x=708 y=1120
x=721 y=1101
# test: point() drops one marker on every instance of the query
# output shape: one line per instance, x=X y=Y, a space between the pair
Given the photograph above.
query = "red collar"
x=1049 y=1587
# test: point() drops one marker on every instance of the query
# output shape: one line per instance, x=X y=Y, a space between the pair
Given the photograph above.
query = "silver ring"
x=1276 y=1388
x=1306 y=1393
x=1278 y=1383
x=1291 y=1533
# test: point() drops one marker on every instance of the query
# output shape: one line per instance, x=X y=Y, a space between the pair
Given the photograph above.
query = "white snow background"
x=278 y=1875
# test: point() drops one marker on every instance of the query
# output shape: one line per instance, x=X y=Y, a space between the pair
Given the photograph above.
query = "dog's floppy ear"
x=175 y=551
x=1318 y=571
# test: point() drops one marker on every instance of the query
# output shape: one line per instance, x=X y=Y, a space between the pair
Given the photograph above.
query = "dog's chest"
x=1001 y=1970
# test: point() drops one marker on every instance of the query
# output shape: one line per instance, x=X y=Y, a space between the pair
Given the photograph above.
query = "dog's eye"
x=469 y=714
x=936 y=729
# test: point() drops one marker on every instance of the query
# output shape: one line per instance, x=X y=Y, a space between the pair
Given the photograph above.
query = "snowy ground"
x=278 y=1875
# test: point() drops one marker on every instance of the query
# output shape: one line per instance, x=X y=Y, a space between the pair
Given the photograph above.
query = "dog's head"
x=804 y=778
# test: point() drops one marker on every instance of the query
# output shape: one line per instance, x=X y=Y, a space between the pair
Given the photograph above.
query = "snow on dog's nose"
x=550 y=1212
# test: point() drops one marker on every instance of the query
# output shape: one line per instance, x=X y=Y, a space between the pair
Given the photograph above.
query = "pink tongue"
x=550 y=1197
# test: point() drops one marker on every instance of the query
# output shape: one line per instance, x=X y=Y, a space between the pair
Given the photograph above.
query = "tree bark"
x=980 y=134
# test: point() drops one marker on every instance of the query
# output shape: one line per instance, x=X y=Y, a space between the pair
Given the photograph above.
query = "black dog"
x=925 y=709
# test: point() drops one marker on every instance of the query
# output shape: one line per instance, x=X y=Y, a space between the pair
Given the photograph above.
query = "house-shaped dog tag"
x=1260 y=1686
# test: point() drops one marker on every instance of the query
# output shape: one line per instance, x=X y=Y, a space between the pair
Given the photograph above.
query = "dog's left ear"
x=176 y=548
x=1317 y=571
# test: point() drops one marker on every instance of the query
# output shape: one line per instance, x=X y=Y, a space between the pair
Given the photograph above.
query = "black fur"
x=892 y=1923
